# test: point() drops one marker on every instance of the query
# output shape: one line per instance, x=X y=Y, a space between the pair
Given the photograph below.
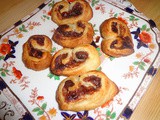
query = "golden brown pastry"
x=64 y=12
x=71 y=35
x=75 y=61
x=117 y=40
x=85 y=92
x=36 y=52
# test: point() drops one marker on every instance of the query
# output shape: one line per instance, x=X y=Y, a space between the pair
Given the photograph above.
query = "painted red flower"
x=123 y=20
x=5 y=48
x=17 y=73
x=145 y=37
x=40 y=97
x=49 y=13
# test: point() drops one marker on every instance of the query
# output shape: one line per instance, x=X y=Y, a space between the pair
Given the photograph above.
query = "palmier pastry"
x=85 y=92
x=36 y=52
x=75 y=61
x=64 y=12
x=71 y=35
x=117 y=40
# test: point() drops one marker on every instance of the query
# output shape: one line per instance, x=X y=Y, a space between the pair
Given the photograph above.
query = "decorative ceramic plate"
x=27 y=94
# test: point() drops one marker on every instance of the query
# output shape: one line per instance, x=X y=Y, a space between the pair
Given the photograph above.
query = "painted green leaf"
x=36 y=109
x=51 y=4
x=20 y=29
x=56 y=77
x=136 y=19
x=113 y=115
x=131 y=18
x=3 y=74
x=111 y=58
x=108 y=113
x=40 y=112
x=99 y=69
x=53 y=49
x=136 y=63
x=144 y=27
x=6 y=70
x=143 y=64
x=107 y=119
x=141 y=67
x=44 y=105
x=50 y=75
x=148 y=29
x=1 y=69
x=115 y=15
x=1 y=57
x=95 y=31
x=94 y=2
x=98 y=49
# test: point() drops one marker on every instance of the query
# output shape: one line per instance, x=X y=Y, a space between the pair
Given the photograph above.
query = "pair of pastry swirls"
x=117 y=40
x=72 y=20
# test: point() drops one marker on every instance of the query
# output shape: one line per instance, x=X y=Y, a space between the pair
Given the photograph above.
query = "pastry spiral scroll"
x=36 y=52
x=72 y=35
x=75 y=61
x=117 y=40
x=64 y=12
x=85 y=92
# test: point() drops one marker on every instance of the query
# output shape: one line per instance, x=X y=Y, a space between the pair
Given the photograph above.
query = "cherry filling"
x=76 y=10
x=82 y=90
x=59 y=66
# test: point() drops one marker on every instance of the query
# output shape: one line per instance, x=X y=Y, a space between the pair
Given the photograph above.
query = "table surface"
x=149 y=107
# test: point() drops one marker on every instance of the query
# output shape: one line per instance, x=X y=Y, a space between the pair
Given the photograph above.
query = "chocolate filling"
x=39 y=39
x=76 y=10
x=82 y=90
x=125 y=43
x=35 y=53
x=114 y=27
x=61 y=31
x=82 y=55
x=59 y=66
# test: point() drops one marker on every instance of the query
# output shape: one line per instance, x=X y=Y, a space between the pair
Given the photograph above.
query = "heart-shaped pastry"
x=85 y=92
x=75 y=61
x=71 y=35
x=64 y=12
x=117 y=40
x=36 y=52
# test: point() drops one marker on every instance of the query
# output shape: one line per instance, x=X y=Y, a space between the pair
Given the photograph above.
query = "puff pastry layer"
x=64 y=12
x=85 y=92
x=75 y=61
x=71 y=35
